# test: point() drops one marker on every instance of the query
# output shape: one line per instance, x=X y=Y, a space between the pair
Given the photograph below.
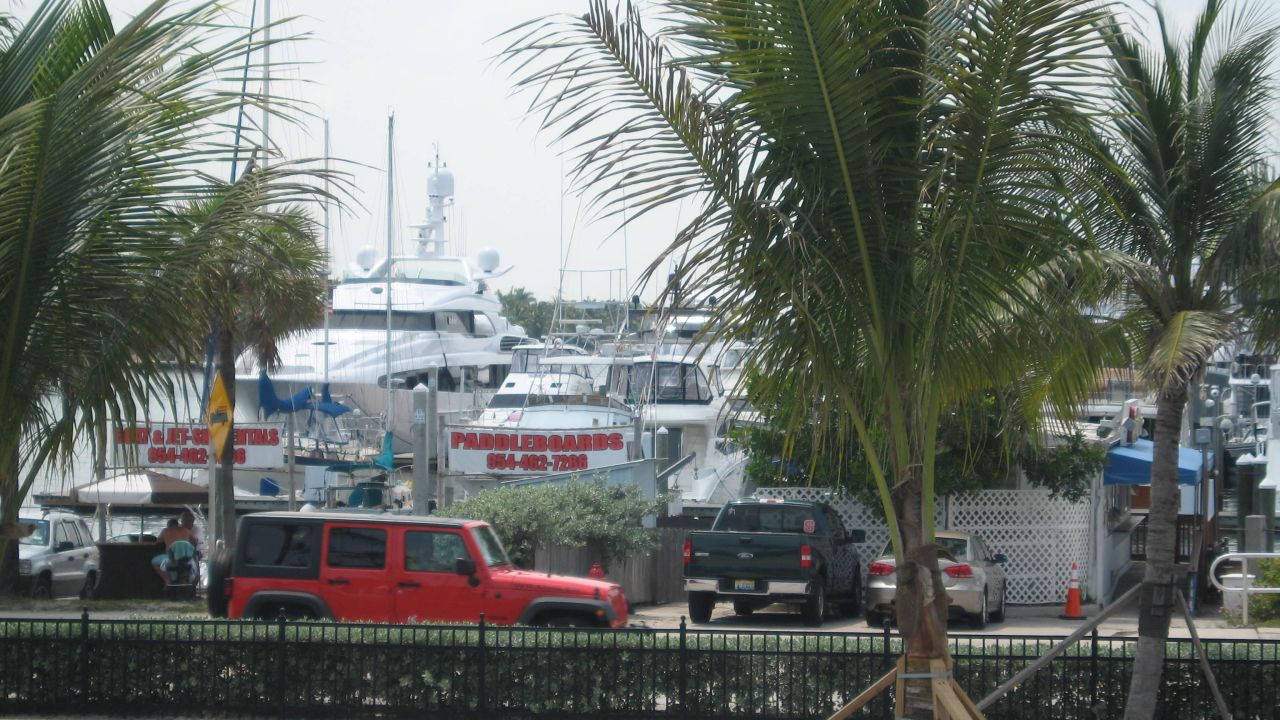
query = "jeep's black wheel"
x=90 y=586
x=290 y=612
x=875 y=619
x=743 y=608
x=219 y=571
x=815 y=606
x=701 y=605
x=43 y=589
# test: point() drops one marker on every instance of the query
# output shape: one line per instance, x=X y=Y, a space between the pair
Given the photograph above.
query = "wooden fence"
x=655 y=577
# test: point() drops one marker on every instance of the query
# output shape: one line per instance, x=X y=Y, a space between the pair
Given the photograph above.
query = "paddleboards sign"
x=493 y=451
x=186 y=445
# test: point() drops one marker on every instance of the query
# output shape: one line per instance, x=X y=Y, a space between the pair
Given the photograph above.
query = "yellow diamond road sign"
x=219 y=416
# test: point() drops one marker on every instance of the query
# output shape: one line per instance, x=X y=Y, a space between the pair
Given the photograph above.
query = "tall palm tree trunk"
x=921 y=601
x=226 y=463
x=1158 y=584
x=9 y=505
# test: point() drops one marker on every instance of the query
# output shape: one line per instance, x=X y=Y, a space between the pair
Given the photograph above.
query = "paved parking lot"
x=1021 y=621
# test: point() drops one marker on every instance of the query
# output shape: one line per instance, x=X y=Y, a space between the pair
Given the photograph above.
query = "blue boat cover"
x=1132 y=465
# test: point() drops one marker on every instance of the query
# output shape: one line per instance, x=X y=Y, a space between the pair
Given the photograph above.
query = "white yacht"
x=551 y=415
x=411 y=319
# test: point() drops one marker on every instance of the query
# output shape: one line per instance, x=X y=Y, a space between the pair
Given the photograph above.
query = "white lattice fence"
x=1040 y=536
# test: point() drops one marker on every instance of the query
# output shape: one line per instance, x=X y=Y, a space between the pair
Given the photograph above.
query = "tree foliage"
x=605 y=519
x=522 y=308
x=880 y=193
x=1191 y=201
x=106 y=135
x=1066 y=470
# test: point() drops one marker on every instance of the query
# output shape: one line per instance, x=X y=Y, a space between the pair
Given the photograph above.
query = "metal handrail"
x=1246 y=586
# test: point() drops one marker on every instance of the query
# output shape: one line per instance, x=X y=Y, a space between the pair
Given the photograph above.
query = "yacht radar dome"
x=366 y=257
x=440 y=183
x=487 y=260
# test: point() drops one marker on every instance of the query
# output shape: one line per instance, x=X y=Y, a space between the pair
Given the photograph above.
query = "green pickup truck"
x=760 y=552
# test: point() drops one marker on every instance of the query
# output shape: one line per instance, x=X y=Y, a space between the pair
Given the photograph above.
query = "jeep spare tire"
x=219 y=571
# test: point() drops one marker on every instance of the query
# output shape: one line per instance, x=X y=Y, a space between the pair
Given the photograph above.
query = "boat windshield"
x=437 y=271
x=671 y=382
x=40 y=536
x=490 y=546
x=536 y=360
x=377 y=320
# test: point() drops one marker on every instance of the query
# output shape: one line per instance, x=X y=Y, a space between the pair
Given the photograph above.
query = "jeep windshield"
x=40 y=536
x=490 y=546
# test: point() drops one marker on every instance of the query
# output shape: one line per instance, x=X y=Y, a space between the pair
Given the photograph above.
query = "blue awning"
x=1132 y=465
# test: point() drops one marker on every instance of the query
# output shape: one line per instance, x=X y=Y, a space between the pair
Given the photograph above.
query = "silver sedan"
x=976 y=584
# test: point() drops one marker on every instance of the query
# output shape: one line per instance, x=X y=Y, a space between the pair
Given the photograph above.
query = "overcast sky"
x=429 y=62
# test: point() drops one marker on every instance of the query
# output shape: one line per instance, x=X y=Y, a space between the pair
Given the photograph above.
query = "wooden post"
x=1204 y=659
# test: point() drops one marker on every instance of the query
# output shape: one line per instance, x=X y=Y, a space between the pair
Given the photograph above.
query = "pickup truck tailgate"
x=759 y=556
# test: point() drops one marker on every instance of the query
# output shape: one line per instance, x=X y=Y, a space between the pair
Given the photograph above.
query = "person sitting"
x=182 y=568
x=188 y=520
x=170 y=535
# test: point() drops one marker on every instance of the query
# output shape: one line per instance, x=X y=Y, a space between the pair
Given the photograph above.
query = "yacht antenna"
x=391 y=189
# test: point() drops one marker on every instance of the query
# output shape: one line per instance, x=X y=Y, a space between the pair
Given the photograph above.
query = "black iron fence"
x=307 y=669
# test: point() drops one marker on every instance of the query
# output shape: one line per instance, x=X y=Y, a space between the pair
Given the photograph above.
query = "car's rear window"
x=764 y=518
x=279 y=544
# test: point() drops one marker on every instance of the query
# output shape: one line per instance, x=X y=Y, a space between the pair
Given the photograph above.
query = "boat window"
x=433 y=551
x=484 y=326
x=490 y=547
x=454 y=321
x=377 y=320
x=351 y=547
x=279 y=544
x=39 y=536
x=507 y=400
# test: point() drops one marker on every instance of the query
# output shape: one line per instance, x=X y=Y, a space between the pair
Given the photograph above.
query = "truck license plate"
x=744 y=584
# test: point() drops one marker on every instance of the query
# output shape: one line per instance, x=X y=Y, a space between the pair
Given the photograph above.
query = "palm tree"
x=263 y=276
x=880 y=190
x=1195 y=212
x=104 y=134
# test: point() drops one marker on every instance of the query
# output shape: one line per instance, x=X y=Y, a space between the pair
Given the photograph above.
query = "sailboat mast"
x=328 y=250
x=266 y=81
x=391 y=133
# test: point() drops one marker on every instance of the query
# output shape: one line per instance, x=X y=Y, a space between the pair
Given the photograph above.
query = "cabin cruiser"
x=551 y=415
x=394 y=324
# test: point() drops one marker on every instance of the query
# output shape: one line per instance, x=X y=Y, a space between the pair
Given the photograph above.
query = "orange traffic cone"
x=597 y=572
x=1072 y=610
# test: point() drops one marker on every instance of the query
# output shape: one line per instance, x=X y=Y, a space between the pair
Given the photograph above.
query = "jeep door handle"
x=410 y=584
x=339 y=581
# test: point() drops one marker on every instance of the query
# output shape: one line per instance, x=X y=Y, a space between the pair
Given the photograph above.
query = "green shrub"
x=605 y=519
x=1266 y=607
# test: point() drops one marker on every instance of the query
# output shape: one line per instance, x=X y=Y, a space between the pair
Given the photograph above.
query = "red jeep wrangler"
x=395 y=568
